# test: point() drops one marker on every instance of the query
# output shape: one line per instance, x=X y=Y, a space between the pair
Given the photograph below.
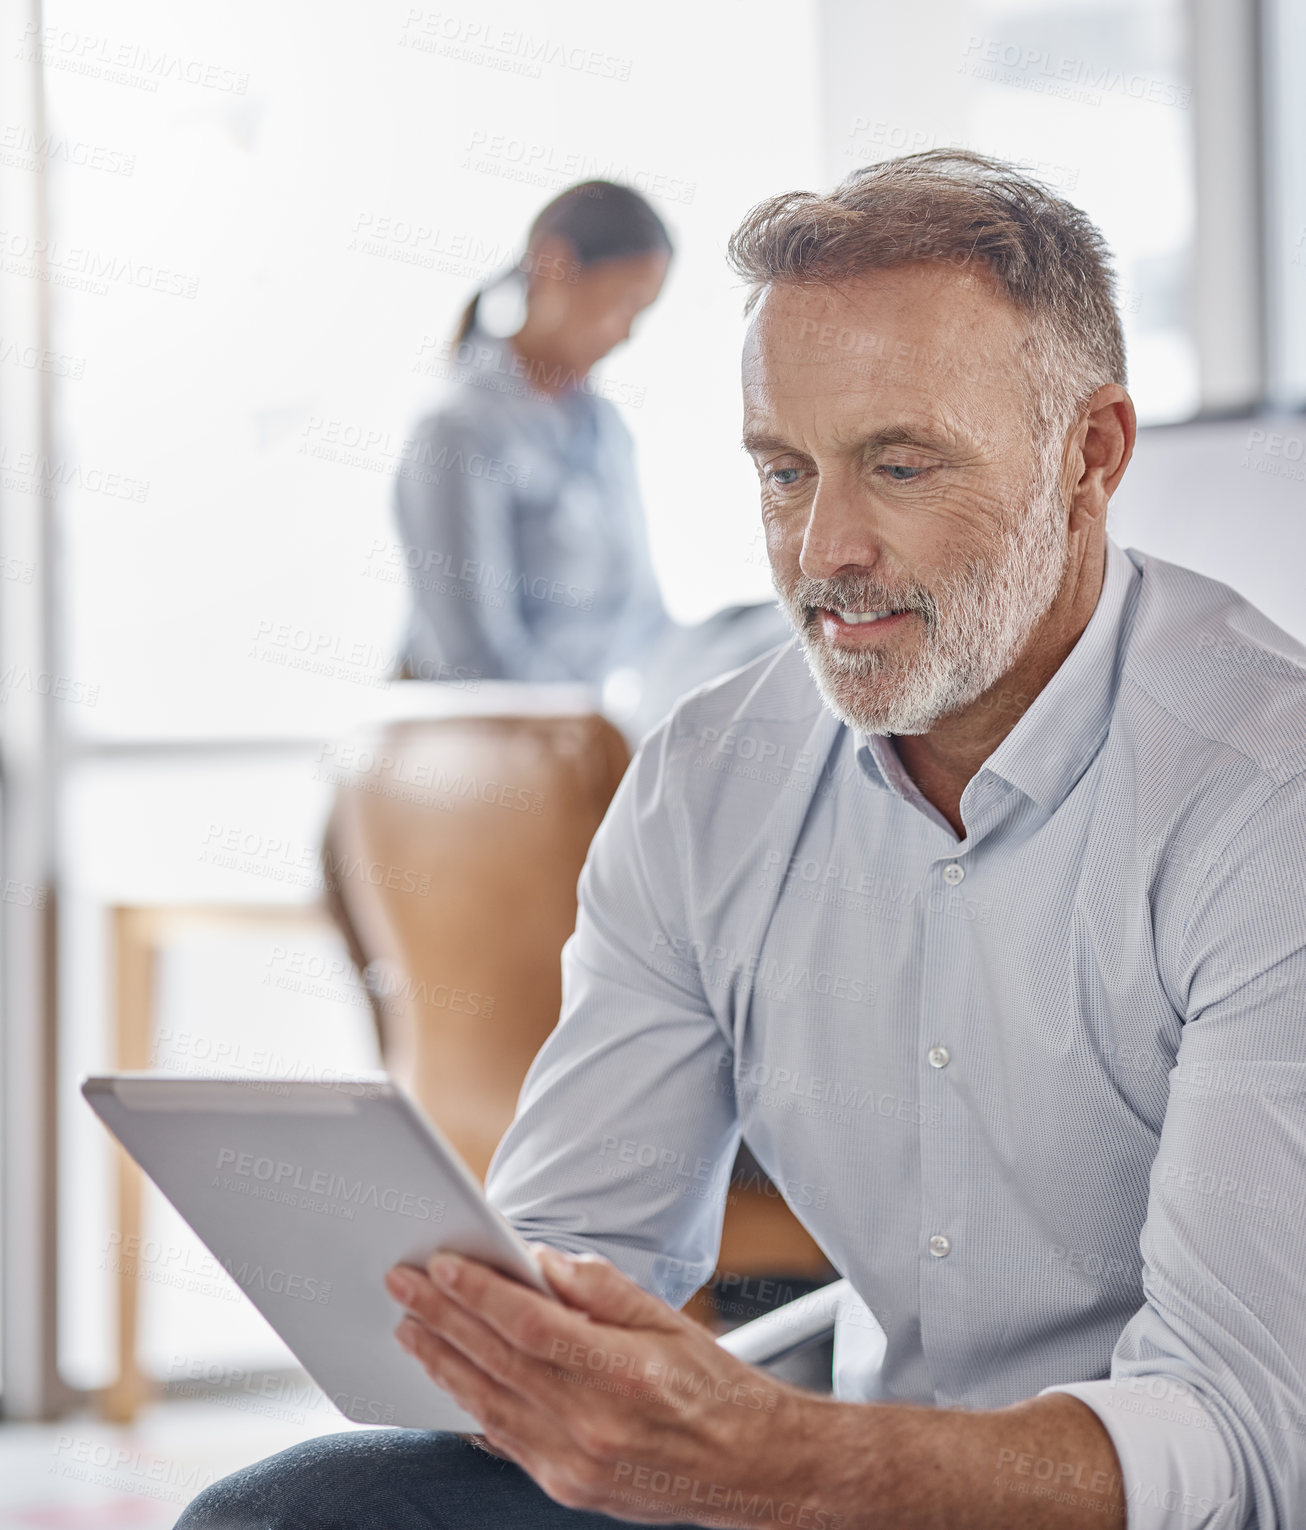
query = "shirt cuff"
x=1175 y=1467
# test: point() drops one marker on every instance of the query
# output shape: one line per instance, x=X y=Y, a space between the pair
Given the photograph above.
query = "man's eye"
x=900 y=473
x=785 y=478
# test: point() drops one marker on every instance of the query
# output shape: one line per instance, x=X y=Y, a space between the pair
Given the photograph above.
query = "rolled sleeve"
x=1175 y=1467
x=1206 y=1401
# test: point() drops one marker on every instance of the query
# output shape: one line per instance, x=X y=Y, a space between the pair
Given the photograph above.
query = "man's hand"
x=614 y=1402
x=609 y=1398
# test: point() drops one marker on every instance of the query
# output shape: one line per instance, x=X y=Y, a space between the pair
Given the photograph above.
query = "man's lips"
x=836 y=626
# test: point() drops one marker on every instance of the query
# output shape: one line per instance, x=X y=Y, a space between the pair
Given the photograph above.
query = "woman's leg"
x=382 y=1479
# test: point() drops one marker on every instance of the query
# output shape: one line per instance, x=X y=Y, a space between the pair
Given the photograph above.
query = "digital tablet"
x=306 y=1194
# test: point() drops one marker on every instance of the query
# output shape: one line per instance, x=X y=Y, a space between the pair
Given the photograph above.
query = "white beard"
x=977 y=621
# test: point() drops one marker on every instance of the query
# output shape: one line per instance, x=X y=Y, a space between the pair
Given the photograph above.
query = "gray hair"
x=969 y=210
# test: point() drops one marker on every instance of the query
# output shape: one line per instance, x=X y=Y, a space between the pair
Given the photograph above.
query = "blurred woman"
x=529 y=553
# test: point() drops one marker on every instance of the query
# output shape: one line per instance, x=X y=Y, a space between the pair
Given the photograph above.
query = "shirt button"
x=940 y=1245
x=952 y=873
x=938 y=1057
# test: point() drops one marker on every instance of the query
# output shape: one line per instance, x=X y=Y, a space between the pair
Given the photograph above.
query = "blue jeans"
x=383 y=1479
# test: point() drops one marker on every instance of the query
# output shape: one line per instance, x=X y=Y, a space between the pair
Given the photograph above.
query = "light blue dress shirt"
x=523 y=531
x=1040 y=1093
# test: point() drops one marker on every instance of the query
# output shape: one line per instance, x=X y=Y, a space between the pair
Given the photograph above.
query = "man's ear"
x=1107 y=431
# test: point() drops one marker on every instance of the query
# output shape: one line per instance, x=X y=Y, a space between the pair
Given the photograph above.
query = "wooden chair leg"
x=134 y=1017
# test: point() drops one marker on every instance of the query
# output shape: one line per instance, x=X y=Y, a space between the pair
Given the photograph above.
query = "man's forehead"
x=920 y=321
x=916 y=334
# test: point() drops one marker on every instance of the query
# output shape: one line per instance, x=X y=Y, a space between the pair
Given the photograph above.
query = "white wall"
x=1228 y=499
x=328 y=204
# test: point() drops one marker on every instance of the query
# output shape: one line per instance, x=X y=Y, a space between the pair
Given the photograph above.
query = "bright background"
x=325 y=204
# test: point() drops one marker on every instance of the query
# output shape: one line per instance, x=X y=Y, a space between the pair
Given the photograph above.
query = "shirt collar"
x=1057 y=736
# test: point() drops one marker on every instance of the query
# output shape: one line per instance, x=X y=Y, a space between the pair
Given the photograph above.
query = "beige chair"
x=451 y=866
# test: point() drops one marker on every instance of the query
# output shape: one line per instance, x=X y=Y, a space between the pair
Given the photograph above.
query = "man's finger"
x=515 y=1430
x=600 y=1289
x=463 y=1330
x=536 y=1325
x=494 y=1405
x=567 y=1358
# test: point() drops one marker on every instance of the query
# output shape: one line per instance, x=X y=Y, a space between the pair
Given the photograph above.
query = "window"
x=1097 y=99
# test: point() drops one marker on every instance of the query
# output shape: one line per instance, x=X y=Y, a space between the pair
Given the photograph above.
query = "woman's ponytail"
x=467 y=319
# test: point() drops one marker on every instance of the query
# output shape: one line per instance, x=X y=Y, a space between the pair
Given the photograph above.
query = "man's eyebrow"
x=755 y=441
x=903 y=435
x=891 y=435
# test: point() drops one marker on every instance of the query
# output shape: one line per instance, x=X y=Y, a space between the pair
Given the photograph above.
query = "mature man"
x=977 y=909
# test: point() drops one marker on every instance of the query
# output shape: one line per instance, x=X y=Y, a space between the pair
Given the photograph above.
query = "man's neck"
x=942 y=761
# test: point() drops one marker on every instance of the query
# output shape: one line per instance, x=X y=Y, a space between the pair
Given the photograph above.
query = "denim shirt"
x=523 y=530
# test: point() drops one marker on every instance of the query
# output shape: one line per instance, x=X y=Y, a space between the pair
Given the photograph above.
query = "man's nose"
x=839 y=533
